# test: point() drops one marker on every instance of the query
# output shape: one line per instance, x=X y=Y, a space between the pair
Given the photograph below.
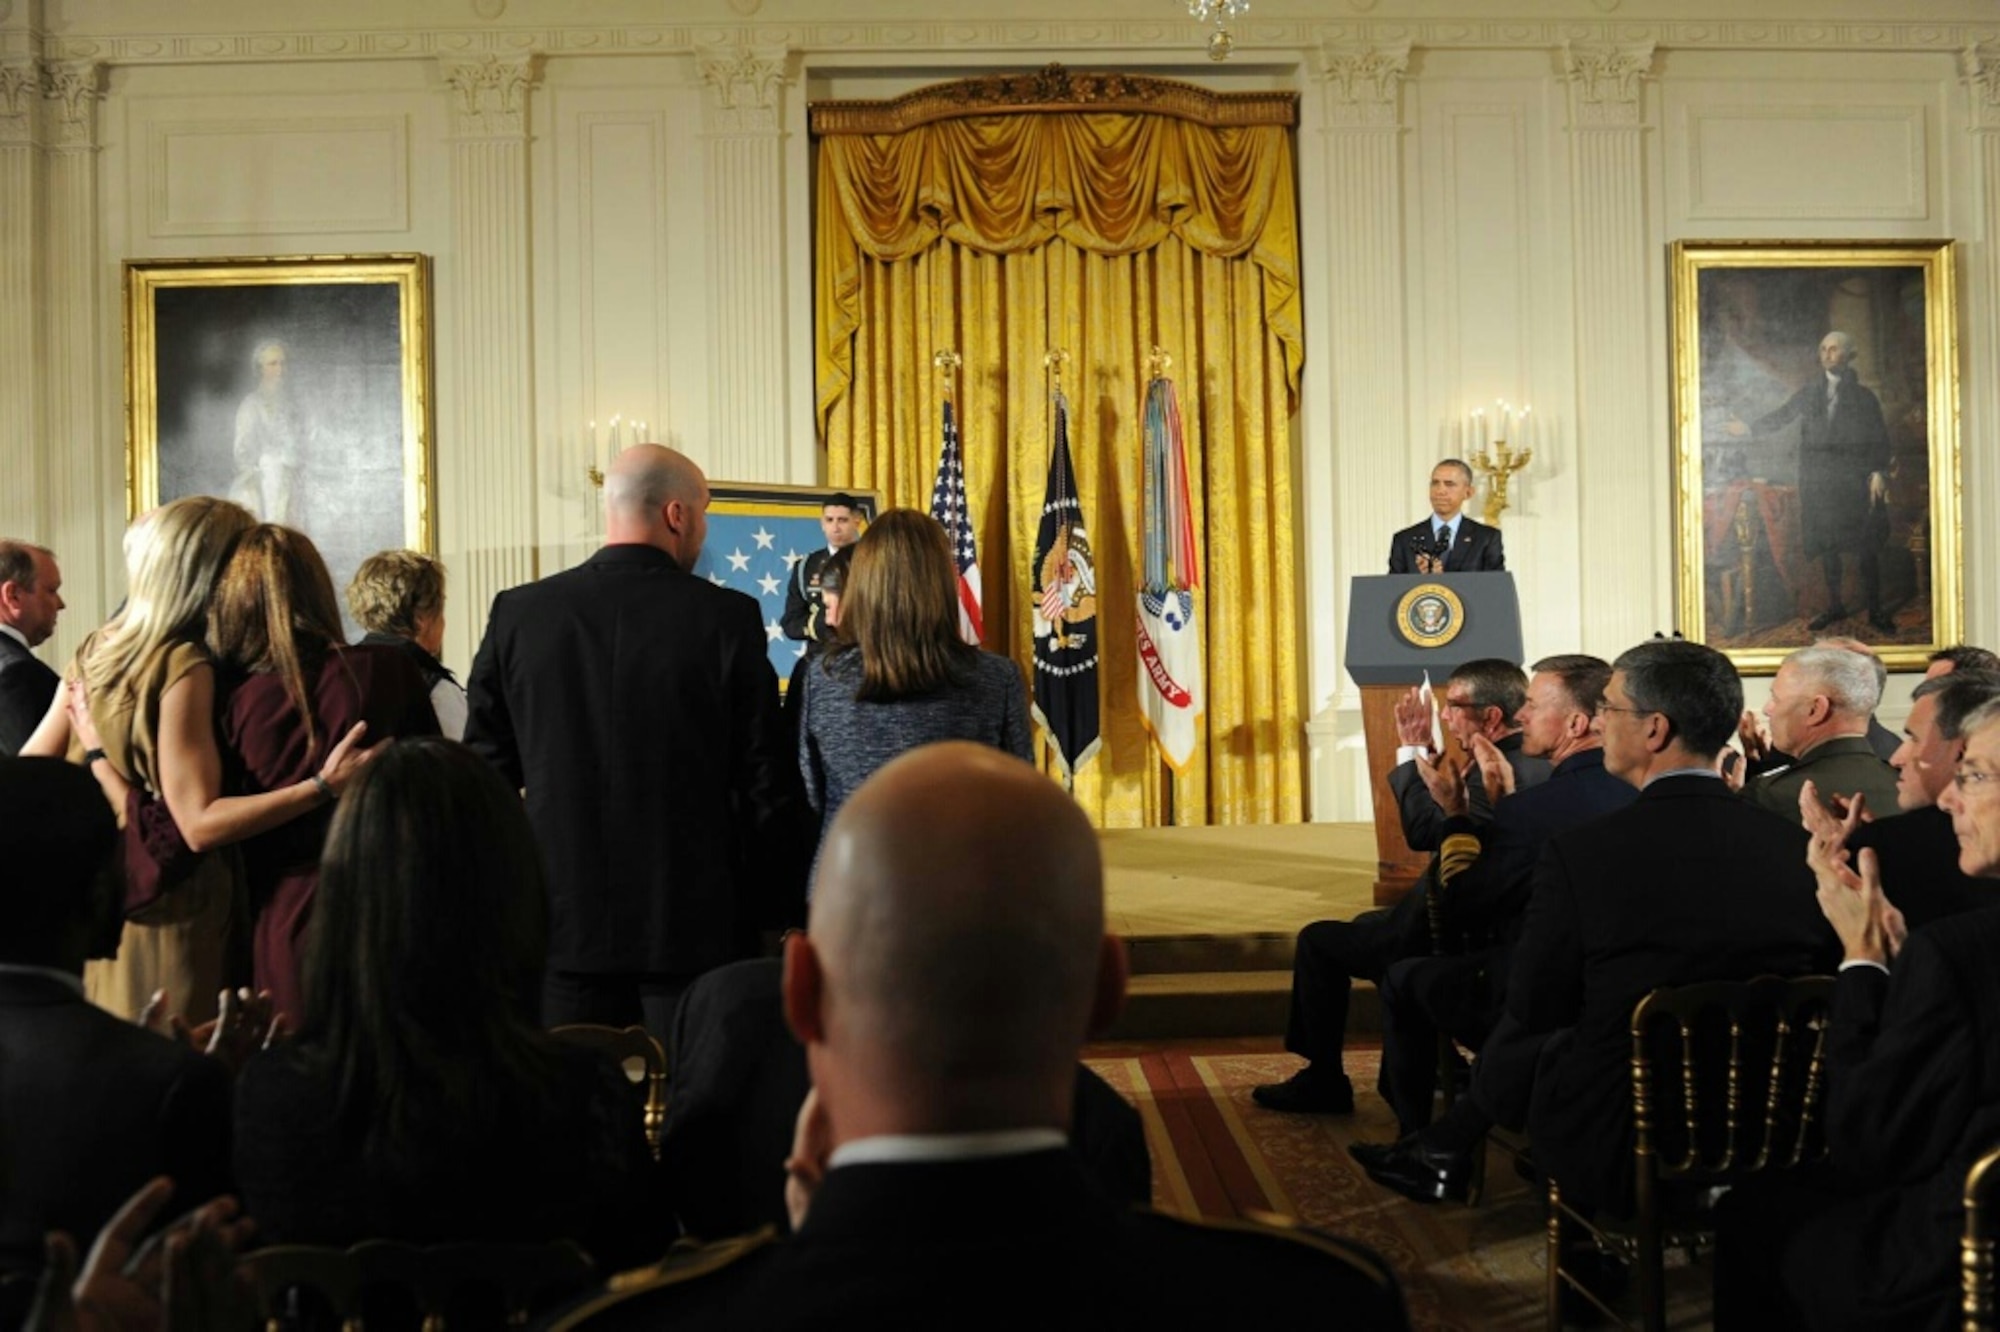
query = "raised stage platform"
x=1210 y=915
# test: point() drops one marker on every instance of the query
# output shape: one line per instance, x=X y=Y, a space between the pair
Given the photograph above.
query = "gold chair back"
x=1982 y=1212
x=1728 y=1078
x=642 y=1058
x=437 y=1281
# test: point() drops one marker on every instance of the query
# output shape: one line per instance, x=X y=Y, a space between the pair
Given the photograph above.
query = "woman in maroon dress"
x=290 y=689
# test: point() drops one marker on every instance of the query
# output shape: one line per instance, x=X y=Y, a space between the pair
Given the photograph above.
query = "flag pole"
x=1053 y=361
x=1157 y=365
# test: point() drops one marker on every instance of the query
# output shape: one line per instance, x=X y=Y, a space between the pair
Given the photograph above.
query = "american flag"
x=949 y=508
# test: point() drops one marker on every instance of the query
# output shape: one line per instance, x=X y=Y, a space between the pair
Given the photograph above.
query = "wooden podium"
x=1400 y=627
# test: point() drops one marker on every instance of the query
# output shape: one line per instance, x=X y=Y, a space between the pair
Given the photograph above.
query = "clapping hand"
x=1754 y=735
x=1446 y=784
x=805 y=1168
x=1871 y=929
x=244 y=1024
x=184 y=1277
x=1496 y=774
x=1413 y=719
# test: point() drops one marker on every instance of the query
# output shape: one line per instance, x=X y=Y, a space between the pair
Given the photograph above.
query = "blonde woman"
x=898 y=675
x=139 y=710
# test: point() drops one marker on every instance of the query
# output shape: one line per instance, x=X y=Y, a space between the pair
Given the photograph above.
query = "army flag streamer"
x=1065 y=602
x=1170 y=681
x=949 y=508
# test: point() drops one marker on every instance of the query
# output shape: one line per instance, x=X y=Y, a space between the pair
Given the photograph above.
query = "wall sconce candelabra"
x=1220 y=43
x=1502 y=445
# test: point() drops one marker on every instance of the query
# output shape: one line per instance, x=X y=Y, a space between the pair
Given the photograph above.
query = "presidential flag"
x=1065 y=602
x=1170 y=678
x=949 y=508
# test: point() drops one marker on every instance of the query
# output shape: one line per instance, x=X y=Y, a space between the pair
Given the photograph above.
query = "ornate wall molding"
x=1981 y=70
x=884 y=35
x=20 y=102
x=745 y=87
x=1606 y=82
x=75 y=89
x=1054 y=88
x=1363 y=83
x=490 y=96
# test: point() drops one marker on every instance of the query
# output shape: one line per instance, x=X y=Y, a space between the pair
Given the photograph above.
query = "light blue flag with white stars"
x=752 y=546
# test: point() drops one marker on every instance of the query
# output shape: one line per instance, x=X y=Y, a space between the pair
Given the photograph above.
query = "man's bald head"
x=656 y=496
x=958 y=941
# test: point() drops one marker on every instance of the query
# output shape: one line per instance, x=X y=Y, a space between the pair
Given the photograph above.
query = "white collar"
x=902 y=1148
x=67 y=978
x=16 y=635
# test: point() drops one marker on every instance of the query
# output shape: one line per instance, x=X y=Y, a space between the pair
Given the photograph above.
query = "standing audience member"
x=951 y=974
x=292 y=689
x=1821 y=701
x=1961 y=657
x=398 y=598
x=1917 y=850
x=832 y=581
x=30 y=597
x=634 y=702
x=900 y=675
x=91 y=1106
x=420 y=1101
x=1913 y=1098
x=145 y=728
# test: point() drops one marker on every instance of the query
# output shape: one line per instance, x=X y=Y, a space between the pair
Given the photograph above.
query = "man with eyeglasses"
x=1913 y=1095
x=1481 y=698
x=1689 y=883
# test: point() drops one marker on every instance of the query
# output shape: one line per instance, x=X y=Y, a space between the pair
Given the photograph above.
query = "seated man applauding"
x=952 y=971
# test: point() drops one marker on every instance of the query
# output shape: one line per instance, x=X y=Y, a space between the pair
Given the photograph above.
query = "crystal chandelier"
x=1220 y=43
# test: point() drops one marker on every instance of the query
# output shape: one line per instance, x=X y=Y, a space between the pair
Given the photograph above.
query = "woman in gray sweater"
x=898 y=676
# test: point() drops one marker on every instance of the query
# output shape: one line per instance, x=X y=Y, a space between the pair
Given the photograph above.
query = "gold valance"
x=1110 y=182
x=1054 y=89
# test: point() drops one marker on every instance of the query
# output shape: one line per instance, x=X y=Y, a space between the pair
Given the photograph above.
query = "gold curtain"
x=1104 y=233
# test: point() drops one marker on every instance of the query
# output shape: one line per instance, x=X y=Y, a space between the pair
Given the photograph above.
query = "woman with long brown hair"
x=899 y=675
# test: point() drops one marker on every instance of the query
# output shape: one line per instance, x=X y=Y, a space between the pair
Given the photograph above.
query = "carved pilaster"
x=1359 y=238
x=1362 y=83
x=20 y=297
x=1981 y=69
x=1615 y=276
x=745 y=178
x=20 y=102
x=486 y=465
x=73 y=92
x=1605 y=83
x=746 y=86
x=490 y=96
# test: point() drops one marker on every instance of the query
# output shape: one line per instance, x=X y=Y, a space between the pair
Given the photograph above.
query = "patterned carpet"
x=1217 y=1153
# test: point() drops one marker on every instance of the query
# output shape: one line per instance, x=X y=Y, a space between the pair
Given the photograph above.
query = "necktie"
x=1441 y=537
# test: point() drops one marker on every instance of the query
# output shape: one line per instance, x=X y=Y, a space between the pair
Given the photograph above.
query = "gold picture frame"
x=299 y=386
x=1816 y=485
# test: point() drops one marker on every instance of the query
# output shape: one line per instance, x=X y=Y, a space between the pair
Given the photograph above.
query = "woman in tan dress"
x=140 y=709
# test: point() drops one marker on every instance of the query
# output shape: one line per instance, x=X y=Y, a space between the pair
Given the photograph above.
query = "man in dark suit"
x=1916 y=849
x=91 y=1107
x=1913 y=1098
x=1689 y=883
x=30 y=598
x=1485 y=876
x=740 y=1077
x=1843 y=476
x=956 y=961
x=1481 y=699
x=1822 y=701
x=1448 y=541
x=805 y=605
x=636 y=706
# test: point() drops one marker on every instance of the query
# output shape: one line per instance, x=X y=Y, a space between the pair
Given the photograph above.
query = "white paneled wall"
x=617 y=197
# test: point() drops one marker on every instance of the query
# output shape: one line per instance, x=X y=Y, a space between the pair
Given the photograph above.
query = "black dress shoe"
x=1370 y=1154
x=1826 y=617
x=1422 y=1174
x=1308 y=1093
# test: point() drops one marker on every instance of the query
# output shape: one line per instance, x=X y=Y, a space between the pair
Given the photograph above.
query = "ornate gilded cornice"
x=1054 y=89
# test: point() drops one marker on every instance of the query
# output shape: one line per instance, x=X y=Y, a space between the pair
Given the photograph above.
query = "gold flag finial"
x=947 y=364
x=1158 y=363
x=1054 y=362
